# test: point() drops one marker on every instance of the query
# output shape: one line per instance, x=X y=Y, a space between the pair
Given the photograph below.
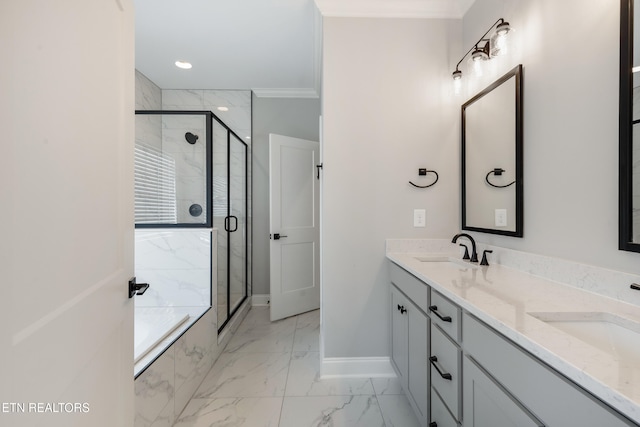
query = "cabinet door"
x=418 y=358
x=399 y=335
x=487 y=404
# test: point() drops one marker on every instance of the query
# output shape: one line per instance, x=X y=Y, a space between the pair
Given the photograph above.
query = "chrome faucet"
x=474 y=254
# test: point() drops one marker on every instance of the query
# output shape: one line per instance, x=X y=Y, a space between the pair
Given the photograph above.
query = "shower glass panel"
x=220 y=209
x=237 y=223
x=172 y=169
x=231 y=207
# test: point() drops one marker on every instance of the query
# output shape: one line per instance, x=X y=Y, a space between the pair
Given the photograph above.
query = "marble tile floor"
x=268 y=376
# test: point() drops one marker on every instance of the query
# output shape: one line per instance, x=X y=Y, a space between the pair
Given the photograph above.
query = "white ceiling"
x=272 y=47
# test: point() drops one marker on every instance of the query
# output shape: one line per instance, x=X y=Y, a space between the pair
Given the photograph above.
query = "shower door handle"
x=226 y=223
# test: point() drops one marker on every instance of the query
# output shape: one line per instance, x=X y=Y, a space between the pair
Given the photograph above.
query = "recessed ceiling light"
x=223 y=109
x=183 y=64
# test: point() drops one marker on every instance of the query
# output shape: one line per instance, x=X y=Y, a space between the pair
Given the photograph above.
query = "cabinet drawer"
x=446 y=367
x=440 y=415
x=417 y=291
x=445 y=314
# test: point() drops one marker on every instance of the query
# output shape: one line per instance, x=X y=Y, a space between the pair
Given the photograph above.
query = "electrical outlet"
x=501 y=217
x=419 y=218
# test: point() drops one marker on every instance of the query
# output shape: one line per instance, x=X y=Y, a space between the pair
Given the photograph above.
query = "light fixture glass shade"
x=457 y=86
x=500 y=39
x=478 y=56
x=457 y=82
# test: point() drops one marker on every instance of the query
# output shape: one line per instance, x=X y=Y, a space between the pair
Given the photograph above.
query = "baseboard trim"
x=261 y=299
x=356 y=367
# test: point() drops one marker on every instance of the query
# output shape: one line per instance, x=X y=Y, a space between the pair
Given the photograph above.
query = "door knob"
x=278 y=236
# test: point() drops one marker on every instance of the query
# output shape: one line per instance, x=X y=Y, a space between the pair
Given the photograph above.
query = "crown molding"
x=286 y=93
x=440 y=9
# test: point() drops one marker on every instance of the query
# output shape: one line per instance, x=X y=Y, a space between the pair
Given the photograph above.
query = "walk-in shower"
x=191 y=191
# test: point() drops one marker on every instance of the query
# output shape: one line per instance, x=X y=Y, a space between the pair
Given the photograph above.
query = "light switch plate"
x=501 y=217
x=419 y=218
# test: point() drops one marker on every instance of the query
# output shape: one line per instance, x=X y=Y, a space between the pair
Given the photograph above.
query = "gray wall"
x=570 y=125
x=297 y=118
x=387 y=111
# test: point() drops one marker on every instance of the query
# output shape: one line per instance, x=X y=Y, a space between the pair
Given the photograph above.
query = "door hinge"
x=318 y=167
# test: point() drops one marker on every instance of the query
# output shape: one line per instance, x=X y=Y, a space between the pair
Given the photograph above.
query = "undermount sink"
x=446 y=260
x=605 y=331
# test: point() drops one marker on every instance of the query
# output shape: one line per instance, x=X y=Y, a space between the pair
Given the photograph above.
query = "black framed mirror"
x=492 y=187
x=629 y=151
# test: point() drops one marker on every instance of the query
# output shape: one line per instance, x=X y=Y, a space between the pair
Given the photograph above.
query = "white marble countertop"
x=502 y=297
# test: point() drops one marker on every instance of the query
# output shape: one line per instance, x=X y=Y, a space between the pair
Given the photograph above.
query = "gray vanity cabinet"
x=478 y=378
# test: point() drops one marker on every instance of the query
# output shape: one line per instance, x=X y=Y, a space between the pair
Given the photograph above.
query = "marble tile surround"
x=610 y=283
x=178 y=264
x=165 y=387
x=148 y=94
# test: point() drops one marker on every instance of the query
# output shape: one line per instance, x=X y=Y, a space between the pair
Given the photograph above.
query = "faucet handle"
x=484 y=257
x=466 y=251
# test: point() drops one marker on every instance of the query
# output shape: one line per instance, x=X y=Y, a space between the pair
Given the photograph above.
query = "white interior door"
x=295 y=226
x=66 y=191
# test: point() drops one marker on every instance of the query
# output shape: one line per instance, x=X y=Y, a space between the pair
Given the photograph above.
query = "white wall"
x=295 y=117
x=387 y=110
x=569 y=50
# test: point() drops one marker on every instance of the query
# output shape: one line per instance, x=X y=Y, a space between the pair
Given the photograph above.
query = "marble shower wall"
x=190 y=163
x=177 y=263
x=148 y=95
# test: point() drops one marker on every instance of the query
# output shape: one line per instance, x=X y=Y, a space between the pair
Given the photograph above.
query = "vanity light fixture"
x=484 y=49
x=184 y=65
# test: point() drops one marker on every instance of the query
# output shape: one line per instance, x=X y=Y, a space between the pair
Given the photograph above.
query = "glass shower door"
x=237 y=230
x=230 y=216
